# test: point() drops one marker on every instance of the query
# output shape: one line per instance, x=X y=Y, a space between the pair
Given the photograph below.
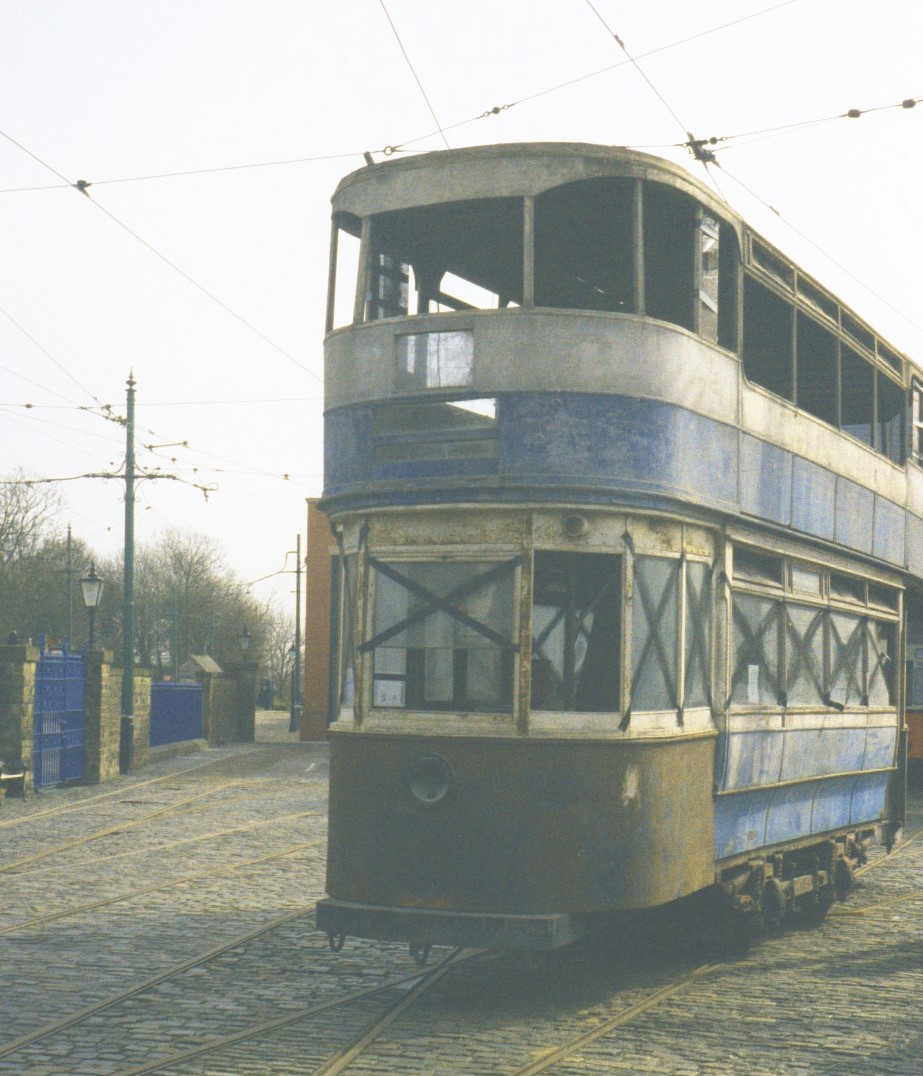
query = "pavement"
x=107 y=887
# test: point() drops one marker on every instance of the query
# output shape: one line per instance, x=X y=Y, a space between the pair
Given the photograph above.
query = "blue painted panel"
x=348 y=448
x=436 y=468
x=831 y=804
x=754 y=758
x=879 y=748
x=868 y=798
x=914 y=544
x=854 y=511
x=740 y=822
x=813 y=498
x=889 y=531
x=790 y=813
x=632 y=443
x=765 y=480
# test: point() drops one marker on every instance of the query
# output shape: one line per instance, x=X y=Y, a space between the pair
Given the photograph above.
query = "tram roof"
x=509 y=170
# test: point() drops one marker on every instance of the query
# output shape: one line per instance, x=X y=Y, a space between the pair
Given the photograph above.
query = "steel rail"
x=65 y=913
x=345 y=1056
x=154 y=980
x=159 y=849
x=255 y=1030
x=90 y=801
x=110 y=831
x=620 y=1018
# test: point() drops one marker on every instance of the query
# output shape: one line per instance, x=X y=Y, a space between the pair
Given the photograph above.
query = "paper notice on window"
x=753 y=683
x=389 y=693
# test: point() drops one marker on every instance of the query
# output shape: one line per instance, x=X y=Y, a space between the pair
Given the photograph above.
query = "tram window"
x=846 y=676
x=669 y=255
x=880 y=663
x=804 y=656
x=807 y=580
x=847 y=588
x=857 y=388
x=884 y=597
x=654 y=634
x=890 y=437
x=456 y=255
x=709 y=248
x=755 y=680
x=584 y=246
x=452 y=429
x=858 y=331
x=435 y=360
x=697 y=683
x=443 y=635
x=388 y=294
x=347 y=268
x=575 y=632
x=818 y=299
x=348 y=628
x=916 y=422
x=757 y=567
x=767 y=344
x=817 y=370
x=728 y=288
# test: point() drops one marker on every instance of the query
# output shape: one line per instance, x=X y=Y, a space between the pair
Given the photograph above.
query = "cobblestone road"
x=117 y=886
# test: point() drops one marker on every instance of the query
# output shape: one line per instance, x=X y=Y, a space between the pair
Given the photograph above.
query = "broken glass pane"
x=654 y=629
x=575 y=632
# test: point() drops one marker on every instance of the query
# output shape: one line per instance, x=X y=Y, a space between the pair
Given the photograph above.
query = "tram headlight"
x=430 y=780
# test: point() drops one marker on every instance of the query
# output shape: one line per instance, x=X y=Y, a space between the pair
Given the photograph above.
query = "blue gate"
x=176 y=713
x=58 y=717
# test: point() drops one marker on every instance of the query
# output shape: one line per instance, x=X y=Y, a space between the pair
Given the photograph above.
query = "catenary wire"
x=81 y=186
x=429 y=105
x=387 y=150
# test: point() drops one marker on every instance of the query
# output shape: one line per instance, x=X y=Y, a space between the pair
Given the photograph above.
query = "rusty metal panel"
x=524 y=826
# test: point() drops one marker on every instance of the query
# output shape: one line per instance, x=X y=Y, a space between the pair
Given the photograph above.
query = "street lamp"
x=92 y=587
x=244 y=640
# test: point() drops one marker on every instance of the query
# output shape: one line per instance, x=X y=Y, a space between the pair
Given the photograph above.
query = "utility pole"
x=70 y=592
x=296 y=663
x=128 y=578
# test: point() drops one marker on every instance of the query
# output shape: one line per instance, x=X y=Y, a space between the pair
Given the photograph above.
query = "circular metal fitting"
x=430 y=780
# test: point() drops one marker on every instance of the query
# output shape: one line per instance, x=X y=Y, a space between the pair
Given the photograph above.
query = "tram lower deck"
x=553 y=714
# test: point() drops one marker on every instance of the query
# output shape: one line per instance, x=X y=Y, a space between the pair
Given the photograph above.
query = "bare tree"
x=27 y=514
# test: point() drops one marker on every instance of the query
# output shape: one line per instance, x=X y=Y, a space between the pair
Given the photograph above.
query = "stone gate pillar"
x=17 y=703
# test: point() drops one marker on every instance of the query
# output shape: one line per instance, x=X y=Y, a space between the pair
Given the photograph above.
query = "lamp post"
x=244 y=640
x=92 y=587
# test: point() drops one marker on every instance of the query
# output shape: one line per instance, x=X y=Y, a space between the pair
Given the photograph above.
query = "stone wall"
x=17 y=703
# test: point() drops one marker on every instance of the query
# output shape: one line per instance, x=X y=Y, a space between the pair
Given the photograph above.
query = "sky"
x=210 y=285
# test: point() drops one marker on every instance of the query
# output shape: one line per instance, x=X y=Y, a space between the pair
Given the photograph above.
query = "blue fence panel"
x=58 y=717
x=176 y=713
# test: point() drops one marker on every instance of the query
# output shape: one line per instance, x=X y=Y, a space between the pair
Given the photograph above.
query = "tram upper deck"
x=570 y=322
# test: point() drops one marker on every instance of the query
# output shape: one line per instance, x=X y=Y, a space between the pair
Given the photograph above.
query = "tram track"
x=90 y=801
x=66 y=913
x=183 y=842
x=421 y=982
x=110 y=831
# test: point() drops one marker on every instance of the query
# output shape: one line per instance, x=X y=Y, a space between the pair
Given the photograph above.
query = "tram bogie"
x=624 y=599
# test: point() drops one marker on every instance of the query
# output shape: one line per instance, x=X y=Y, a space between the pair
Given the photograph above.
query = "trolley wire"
x=429 y=105
x=83 y=187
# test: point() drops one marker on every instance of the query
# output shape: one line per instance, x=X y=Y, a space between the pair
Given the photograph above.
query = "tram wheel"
x=772 y=904
x=815 y=907
x=843 y=879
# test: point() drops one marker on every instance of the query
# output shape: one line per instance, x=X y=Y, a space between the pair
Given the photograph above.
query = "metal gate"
x=176 y=713
x=58 y=717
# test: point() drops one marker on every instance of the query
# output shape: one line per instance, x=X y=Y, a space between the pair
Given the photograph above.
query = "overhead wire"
x=83 y=187
x=44 y=350
x=388 y=150
x=429 y=105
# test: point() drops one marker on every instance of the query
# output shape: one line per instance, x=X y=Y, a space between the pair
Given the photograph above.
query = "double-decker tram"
x=630 y=517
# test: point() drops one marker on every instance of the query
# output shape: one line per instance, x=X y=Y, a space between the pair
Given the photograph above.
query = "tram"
x=630 y=520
